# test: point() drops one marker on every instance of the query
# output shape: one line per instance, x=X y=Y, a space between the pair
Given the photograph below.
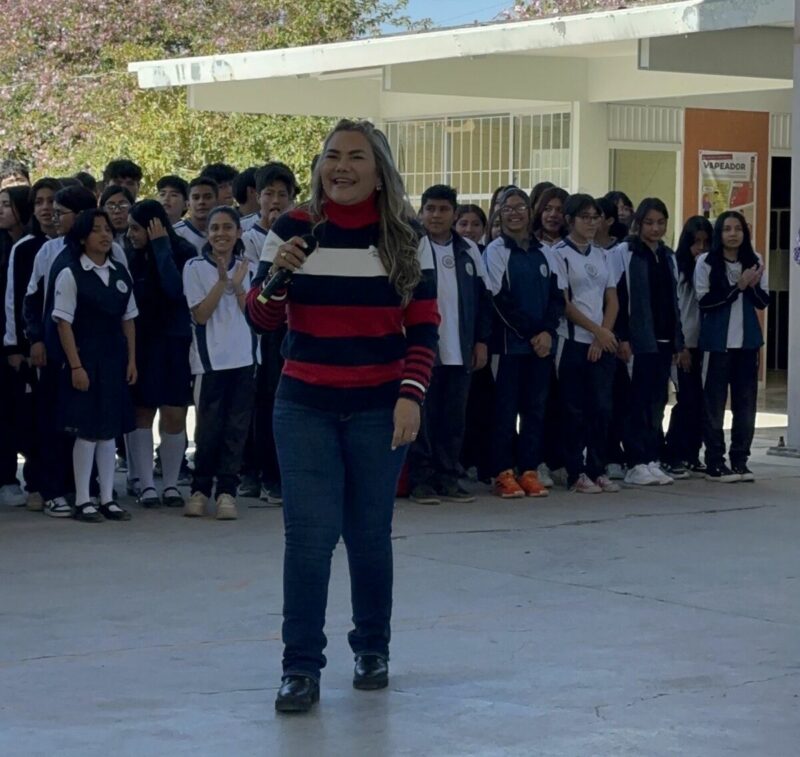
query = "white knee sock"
x=143 y=455
x=172 y=448
x=105 y=454
x=82 y=459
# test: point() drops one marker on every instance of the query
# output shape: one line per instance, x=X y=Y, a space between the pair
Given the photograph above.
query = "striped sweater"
x=350 y=345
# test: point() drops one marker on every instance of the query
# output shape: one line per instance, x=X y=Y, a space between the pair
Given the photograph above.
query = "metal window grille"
x=476 y=154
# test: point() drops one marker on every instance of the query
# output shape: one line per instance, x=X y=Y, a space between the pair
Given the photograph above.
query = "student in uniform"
x=221 y=358
x=224 y=175
x=685 y=435
x=649 y=331
x=587 y=347
x=117 y=201
x=157 y=256
x=528 y=304
x=203 y=196
x=261 y=477
x=123 y=173
x=624 y=207
x=466 y=319
x=15 y=212
x=550 y=228
x=94 y=308
x=16 y=345
x=471 y=223
x=730 y=282
x=538 y=190
x=246 y=196
x=173 y=194
x=45 y=349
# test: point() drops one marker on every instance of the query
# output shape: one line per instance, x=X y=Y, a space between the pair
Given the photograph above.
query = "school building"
x=690 y=101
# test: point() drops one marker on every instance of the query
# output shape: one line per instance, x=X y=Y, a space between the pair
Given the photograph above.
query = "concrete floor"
x=648 y=623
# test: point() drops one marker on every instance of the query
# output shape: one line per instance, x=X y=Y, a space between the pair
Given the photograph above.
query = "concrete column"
x=590 y=159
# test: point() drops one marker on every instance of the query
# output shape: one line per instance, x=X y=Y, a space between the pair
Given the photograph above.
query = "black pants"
x=433 y=458
x=647 y=400
x=553 y=440
x=685 y=433
x=521 y=387
x=477 y=446
x=55 y=474
x=739 y=370
x=619 y=412
x=586 y=394
x=224 y=402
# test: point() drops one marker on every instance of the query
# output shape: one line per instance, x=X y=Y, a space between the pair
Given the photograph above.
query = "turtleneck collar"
x=353 y=216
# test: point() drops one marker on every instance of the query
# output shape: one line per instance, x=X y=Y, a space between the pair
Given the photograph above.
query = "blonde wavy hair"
x=397 y=240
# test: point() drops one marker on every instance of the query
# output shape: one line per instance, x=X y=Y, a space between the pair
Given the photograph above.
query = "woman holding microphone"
x=361 y=341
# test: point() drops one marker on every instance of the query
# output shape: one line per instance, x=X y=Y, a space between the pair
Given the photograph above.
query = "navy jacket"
x=474 y=300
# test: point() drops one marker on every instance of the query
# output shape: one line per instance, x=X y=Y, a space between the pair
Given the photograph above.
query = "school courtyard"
x=656 y=622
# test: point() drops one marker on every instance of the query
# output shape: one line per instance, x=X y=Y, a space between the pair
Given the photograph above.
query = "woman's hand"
x=595 y=352
x=290 y=255
x=480 y=356
x=406 y=422
x=606 y=339
x=222 y=269
x=80 y=379
x=684 y=361
x=155 y=229
x=239 y=273
x=624 y=351
x=542 y=344
x=16 y=361
x=38 y=355
x=131 y=373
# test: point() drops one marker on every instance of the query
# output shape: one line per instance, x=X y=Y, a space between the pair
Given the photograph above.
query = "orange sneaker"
x=506 y=486
x=530 y=484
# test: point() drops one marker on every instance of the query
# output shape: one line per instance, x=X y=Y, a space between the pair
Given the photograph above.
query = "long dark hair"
x=76 y=198
x=84 y=223
x=21 y=203
x=554 y=193
x=683 y=253
x=145 y=211
x=47 y=182
x=747 y=255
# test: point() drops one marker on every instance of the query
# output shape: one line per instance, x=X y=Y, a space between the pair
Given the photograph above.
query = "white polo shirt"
x=253 y=240
x=191 y=234
x=66 y=290
x=447 y=299
x=248 y=221
x=225 y=340
x=587 y=276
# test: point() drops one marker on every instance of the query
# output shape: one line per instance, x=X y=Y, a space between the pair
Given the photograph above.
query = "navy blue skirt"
x=165 y=377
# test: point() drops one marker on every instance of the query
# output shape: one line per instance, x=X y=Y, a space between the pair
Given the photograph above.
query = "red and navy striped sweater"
x=350 y=345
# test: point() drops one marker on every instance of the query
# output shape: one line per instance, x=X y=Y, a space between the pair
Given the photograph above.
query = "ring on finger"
x=284 y=255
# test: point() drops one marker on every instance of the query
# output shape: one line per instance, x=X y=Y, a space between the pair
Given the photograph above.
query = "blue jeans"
x=339 y=477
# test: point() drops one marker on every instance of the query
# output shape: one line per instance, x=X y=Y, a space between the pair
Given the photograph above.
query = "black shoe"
x=425 y=494
x=87 y=513
x=297 y=694
x=149 y=498
x=745 y=474
x=250 y=487
x=113 y=511
x=455 y=493
x=171 y=497
x=697 y=468
x=722 y=474
x=677 y=471
x=371 y=672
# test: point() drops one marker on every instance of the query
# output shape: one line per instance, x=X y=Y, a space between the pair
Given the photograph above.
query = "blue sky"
x=456 y=12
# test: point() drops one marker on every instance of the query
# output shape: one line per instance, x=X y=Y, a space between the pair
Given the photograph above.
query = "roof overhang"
x=691 y=47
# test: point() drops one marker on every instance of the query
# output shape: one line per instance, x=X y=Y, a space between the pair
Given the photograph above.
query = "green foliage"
x=67 y=102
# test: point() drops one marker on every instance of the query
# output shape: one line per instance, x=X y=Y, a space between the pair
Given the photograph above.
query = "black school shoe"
x=678 y=471
x=722 y=474
x=371 y=672
x=297 y=694
x=454 y=493
x=112 y=511
x=87 y=513
x=745 y=474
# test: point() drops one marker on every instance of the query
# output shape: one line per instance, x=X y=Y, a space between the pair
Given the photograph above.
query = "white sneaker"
x=585 y=485
x=545 y=479
x=12 y=495
x=640 y=475
x=57 y=508
x=195 y=506
x=607 y=485
x=226 y=507
x=615 y=471
x=658 y=473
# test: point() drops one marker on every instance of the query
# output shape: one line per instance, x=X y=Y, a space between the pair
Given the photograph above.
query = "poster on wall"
x=728 y=182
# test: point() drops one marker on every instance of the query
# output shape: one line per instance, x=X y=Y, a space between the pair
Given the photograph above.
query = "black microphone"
x=283 y=276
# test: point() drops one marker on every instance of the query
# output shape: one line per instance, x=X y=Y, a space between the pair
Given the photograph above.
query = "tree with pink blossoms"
x=67 y=102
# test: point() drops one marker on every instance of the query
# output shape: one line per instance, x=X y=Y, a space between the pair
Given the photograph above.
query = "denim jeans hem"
x=297 y=672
